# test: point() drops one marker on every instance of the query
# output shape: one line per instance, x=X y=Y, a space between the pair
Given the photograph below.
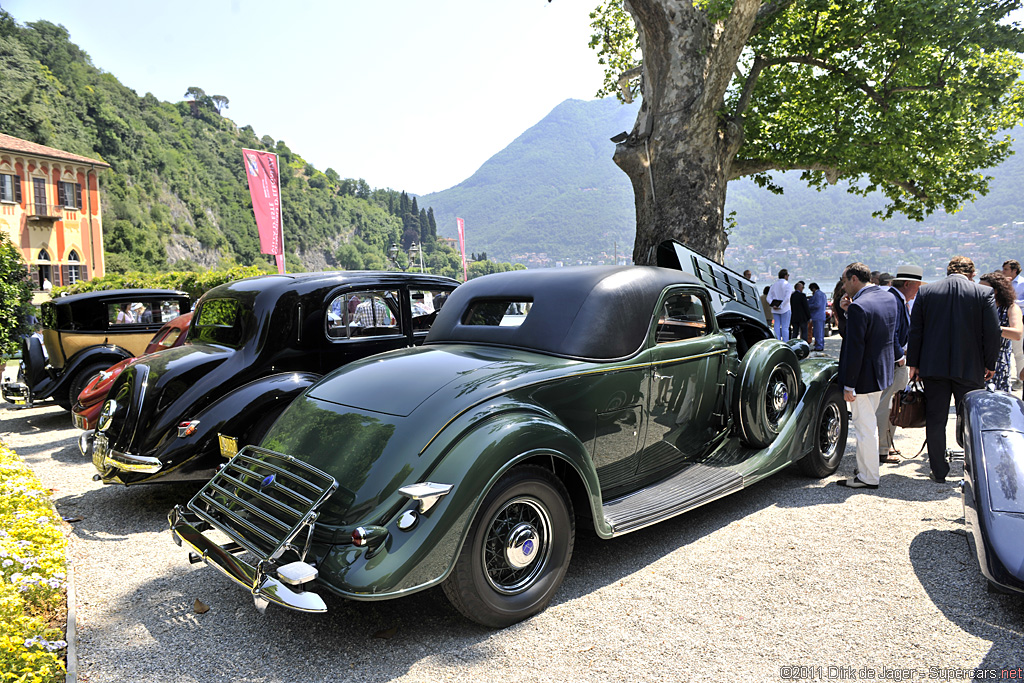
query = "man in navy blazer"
x=954 y=344
x=869 y=354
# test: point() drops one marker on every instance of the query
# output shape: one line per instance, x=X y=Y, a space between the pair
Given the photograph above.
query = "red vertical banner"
x=462 y=245
x=261 y=170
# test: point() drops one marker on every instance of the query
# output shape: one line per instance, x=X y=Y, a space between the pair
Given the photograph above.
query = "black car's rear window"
x=219 y=321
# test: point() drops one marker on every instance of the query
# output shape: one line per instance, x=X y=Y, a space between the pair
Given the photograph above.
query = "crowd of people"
x=954 y=335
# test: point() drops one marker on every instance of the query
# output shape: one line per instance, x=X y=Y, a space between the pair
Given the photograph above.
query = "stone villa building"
x=50 y=208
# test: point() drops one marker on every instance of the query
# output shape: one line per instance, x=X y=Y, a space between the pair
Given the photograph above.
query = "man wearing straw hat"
x=904 y=287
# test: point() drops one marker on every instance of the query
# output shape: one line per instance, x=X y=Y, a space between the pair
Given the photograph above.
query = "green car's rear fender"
x=422 y=557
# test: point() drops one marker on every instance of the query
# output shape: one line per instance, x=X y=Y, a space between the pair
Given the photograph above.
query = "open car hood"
x=736 y=293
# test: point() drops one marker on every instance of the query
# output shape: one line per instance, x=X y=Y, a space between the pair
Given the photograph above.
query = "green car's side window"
x=682 y=316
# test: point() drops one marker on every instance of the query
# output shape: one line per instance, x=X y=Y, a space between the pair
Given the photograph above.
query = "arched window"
x=74 y=274
x=43 y=270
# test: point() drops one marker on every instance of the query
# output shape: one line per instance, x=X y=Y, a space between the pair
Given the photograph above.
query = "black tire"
x=517 y=550
x=831 y=427
x=769 y=391
x=80 y=381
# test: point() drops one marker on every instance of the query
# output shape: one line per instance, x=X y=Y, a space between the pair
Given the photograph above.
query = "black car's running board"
x=694 y=486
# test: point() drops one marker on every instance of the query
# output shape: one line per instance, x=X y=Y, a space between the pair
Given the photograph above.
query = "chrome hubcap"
x=831 y=423
x=777 y=399
x=521 y=548
x=517 y=545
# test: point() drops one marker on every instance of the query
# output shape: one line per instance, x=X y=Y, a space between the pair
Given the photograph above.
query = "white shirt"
x=1018 y=287
x=781 y=289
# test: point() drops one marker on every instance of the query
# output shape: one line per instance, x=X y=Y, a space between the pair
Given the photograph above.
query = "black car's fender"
x=240 y=414
x=495 y=439
x=88 y=359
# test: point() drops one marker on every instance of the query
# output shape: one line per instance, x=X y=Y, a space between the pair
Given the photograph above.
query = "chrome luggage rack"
x=266 y=503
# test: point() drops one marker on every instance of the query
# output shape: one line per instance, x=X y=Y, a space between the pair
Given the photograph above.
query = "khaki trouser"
x=886 y=430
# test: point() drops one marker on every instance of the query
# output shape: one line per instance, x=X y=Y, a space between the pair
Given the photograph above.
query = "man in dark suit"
x=801 y=313
x=904 y=288
x=954 y=345
x=866 y=363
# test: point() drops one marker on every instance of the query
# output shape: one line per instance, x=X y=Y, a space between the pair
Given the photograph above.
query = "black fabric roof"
x=599 y=313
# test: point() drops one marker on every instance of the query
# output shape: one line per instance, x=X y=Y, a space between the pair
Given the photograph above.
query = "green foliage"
x=905 y=98
x=176 y=169
x=617 y=44
x=32 y=577
x=15 y=296
x=194 y=283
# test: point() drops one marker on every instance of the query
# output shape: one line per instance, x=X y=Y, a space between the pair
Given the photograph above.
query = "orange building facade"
x=50 y=208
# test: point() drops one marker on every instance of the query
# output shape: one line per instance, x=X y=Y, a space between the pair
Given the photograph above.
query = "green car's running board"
x=694 y=486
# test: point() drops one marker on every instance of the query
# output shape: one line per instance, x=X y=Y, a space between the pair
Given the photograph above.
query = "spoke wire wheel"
x=517 y=550
x=780 y=394
x=517 y=546
x=829 y=436
x=829 y=427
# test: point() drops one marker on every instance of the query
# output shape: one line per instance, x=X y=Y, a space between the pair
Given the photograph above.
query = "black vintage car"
x=84 y=334
x=991 y=429
x=253 y=346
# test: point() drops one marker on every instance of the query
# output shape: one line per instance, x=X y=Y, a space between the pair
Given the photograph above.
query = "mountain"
x=556 y=191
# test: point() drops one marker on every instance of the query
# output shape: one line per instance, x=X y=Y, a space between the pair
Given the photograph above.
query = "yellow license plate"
x=228 y=445
x=20 y=402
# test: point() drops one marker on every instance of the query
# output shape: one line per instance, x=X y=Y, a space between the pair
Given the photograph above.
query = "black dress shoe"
x=855 y=483
x=937 y=480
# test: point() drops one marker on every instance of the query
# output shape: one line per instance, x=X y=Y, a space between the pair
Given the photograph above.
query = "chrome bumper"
x=85 y=442
x=17 y=393
x=105 y=458
x=264 y=588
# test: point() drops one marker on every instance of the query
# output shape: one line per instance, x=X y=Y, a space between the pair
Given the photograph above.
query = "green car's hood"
x=367 y=423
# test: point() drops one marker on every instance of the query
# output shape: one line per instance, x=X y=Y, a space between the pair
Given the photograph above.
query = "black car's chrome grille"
x=263 y=500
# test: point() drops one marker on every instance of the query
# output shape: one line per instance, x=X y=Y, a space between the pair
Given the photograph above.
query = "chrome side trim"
x=426 y=492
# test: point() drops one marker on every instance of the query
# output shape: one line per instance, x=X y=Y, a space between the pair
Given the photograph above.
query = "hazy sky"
x=408 y=94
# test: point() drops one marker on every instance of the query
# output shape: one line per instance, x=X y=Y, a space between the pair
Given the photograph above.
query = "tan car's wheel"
x=517 y=551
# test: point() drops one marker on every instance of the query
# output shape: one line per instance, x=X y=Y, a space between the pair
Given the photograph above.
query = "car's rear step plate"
x=694 y=486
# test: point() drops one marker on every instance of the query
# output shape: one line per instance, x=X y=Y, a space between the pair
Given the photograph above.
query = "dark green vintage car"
x=616 y=396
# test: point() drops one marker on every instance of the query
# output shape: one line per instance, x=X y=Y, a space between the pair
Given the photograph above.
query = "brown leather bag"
x=908 y=407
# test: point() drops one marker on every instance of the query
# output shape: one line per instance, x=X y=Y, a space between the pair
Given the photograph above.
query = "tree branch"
x=768 y=13
x=727 y=47
x=745 y=167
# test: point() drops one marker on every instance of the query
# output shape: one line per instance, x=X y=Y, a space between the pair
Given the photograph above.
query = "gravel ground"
x=793 y=572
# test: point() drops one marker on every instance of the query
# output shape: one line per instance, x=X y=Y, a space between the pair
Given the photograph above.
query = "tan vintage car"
x=84 y=334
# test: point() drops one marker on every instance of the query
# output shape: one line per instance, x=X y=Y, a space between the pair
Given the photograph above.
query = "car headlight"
x=106 y=415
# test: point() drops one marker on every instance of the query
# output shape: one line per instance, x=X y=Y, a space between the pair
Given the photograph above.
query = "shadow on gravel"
x=367 y=641
x=39 y=419
x=113 y=512
x=949 y=573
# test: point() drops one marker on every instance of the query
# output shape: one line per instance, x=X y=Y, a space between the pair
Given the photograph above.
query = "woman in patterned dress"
x=1010 y=320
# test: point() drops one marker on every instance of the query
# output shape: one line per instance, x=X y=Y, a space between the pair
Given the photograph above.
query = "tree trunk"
x=680 y=151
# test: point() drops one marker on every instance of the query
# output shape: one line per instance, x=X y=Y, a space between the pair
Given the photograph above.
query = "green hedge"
x=195 y=284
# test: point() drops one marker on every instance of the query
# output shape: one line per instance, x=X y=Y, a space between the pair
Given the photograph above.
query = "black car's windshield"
x=219 y=321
